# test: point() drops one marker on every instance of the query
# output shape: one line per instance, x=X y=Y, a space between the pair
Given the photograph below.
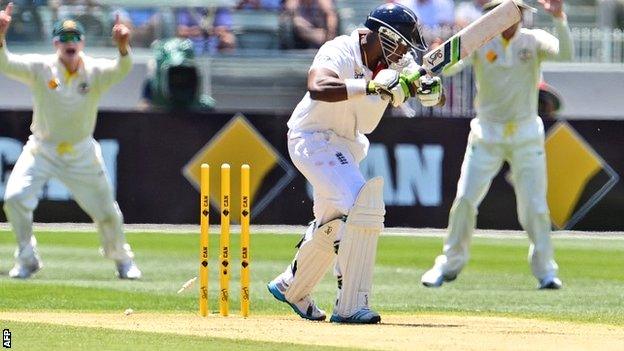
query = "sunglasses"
x=69 y=37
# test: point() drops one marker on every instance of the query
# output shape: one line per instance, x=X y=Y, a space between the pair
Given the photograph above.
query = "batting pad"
x=356 y=255
x=314 y=257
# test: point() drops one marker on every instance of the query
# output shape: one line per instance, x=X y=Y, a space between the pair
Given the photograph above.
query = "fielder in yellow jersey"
x=67 y=87
x=507 y=128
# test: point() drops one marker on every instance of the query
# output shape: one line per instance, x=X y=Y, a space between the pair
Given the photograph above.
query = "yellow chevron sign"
x=238 y=143
x=571 y=164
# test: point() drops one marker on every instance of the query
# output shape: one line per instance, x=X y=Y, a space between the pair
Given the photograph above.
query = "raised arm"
x=121 y=36
x=117 y=70
x=18 y=67
x=559 y=48
x=5 y=20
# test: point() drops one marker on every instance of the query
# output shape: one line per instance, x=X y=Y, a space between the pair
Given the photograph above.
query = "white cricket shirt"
x=351 y=118
x=65 y=106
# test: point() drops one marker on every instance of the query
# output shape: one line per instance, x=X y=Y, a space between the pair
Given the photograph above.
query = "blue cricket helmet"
x=396 y=24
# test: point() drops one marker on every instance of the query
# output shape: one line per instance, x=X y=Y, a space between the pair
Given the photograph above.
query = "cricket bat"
x=469 y=39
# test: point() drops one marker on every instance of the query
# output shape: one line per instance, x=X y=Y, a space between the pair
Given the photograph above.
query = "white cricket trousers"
x=80 y=168
x=329 y=165
x=482 y=162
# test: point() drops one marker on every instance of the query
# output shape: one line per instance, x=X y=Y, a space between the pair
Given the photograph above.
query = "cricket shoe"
x=434 y=278
x=25 y=270
x=363 y=316
x=305 y=308
x=552 y=283
x=128 y=270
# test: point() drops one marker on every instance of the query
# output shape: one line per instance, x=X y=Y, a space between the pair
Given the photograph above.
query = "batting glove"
x=389 y=84
x=430 y=92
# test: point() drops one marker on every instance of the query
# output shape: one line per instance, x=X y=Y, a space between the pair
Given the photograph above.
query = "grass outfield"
x=496 y=282
x=25 y=335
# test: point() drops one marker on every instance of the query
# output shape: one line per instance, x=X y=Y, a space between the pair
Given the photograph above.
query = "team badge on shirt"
x=53 y=83
x=323 y=58
x=341 y=158
x=358 y=74
x=491 y=56
x=83 y=88
x=525 y=55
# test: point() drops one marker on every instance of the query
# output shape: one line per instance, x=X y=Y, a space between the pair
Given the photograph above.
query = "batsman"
x=66 y=87
x=352 y=80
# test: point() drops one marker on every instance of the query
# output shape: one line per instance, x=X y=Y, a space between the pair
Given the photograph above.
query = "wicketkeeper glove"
x=389 y=84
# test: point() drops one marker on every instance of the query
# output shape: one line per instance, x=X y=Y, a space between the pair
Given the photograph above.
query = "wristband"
x=355 y=87
x=371 y=88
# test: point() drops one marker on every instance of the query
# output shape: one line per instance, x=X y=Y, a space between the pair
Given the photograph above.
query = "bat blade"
x=472 y=37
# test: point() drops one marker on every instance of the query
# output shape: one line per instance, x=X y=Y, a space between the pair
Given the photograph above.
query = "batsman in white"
x=507 y=71
x=66 y=88
x=350 y=83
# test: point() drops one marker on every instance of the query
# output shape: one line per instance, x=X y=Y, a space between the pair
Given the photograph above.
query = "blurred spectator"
x=468 y=11
x=147 y=25
x=174 y=80
x=269 y=5
x=24 y=3
x=93 y=17
x=432 y=13
x=71 y=8
x=548 y=102
x=210 y=29
x=27 y=24
x=313 y=22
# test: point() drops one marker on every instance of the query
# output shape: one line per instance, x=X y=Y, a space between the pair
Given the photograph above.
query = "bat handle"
x=416 y=75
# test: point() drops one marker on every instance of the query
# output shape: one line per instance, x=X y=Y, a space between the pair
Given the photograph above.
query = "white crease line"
x=298 y=230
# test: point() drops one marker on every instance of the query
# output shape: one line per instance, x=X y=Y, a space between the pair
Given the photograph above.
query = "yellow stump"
x=245 y=214
x=204 y=211
x=224 y=258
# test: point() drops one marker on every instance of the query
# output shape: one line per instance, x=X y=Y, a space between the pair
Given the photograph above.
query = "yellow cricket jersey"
x=507 y=75
x=65 y=105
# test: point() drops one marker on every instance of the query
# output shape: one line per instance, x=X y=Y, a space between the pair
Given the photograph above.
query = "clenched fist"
x=430 y=91
x=388 y=84
x=5 y=20
x=121 y=35
x=554 y=7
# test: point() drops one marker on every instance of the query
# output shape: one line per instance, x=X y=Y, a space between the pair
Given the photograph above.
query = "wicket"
x=224 y=241
x=244 y=215
x=204 y=215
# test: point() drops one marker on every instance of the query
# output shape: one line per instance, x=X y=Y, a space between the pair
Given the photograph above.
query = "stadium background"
x=77 y=303
x=256 y=85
